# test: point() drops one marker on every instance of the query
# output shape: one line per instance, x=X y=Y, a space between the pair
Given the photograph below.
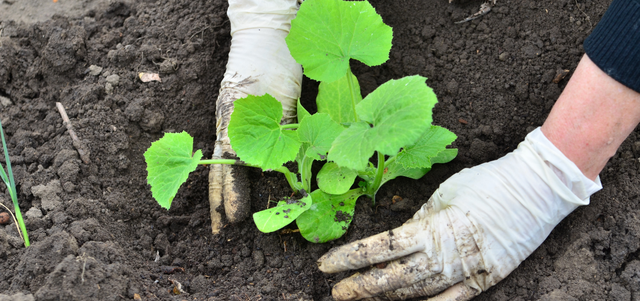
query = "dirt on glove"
x=97 y=234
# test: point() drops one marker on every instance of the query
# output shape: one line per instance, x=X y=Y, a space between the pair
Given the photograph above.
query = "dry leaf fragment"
x=149 y=77
x=560 y=74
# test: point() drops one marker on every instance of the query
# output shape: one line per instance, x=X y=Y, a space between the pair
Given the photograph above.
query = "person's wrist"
x=566 y=170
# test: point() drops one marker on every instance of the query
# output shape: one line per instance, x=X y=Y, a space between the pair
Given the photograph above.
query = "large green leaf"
x=329 y=216
x=399 y=111
x=327 y=33
x=334 y=179
x=317 y=133
x=284 y=213
x=352 y=148
x=256 y=135
x=335 y=99
x=391 y=117
x=433 y=141
x=169 y=162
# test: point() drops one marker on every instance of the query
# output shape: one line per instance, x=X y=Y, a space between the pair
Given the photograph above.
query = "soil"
x=97 y=234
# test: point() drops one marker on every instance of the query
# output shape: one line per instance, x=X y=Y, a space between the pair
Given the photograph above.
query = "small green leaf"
x=395 y=169
x=317 y=133
x=333 y=179
x=169 y=162
x=329 y=216
x=284 y=213
x=399 y=111
x=445 y=156
x=256 y=135
x=327 y=33
x=353 y=148
x=334 y=98
x=433 y=141
x=302 y=112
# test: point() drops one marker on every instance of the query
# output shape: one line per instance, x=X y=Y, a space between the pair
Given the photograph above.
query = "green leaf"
x=399 y=111
x=353 y=148
x=334 y=179
x=329 y=216
x=302 y=112
x=256 y=135
x=327 y=33
x=393 y=116
x=334 y=98
x=317 y=133
x=433 y=141
x=395 y=169
x=169 y=162
x=445 y=156
x=284 y=213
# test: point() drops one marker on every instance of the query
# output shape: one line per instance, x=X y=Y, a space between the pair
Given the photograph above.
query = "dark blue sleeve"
x=614 y=45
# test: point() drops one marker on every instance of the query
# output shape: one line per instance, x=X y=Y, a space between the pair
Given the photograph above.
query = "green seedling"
x=7 y=178
x=392 y=124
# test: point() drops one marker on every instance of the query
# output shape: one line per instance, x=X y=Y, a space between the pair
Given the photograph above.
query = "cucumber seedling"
x=391 y=124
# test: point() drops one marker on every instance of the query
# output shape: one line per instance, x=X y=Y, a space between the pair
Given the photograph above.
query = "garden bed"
x=97 y=234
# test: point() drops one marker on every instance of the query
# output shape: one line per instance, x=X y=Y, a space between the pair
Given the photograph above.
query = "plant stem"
x=224 y=161
x=290 y=126
x=353 y=92
x=371 y=191
x=291 y=178
x=305 y=173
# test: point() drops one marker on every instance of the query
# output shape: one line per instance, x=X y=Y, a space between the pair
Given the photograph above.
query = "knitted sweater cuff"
x=614 y=45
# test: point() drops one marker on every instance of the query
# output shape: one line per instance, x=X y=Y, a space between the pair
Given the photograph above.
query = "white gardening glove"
x=474 y=230
x=259 y=63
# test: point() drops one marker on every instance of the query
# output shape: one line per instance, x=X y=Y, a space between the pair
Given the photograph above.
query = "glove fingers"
x=426 y=287
x=458 y=292
x=215 y=196
x=382 y=247
x=397 y=274
x=236 y=192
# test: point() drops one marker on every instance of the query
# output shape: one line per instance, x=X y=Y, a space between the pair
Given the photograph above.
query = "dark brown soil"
x=96 y=231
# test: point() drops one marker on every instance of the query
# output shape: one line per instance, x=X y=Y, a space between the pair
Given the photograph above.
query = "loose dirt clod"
x=5 y=218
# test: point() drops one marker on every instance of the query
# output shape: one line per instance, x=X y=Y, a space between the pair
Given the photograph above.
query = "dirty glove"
x=475 y=229
x=259 y=63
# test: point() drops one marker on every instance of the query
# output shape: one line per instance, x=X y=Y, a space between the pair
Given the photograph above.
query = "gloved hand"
x=475 y=229
x=259 y=63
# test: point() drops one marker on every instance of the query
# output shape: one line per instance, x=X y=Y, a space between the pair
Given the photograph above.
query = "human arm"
x=259 y=63
x=592 y=117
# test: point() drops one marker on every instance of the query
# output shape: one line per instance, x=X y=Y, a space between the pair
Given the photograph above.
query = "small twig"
x=76 y=142
x=84 y=258
x=15 y=221
x=84 y=265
